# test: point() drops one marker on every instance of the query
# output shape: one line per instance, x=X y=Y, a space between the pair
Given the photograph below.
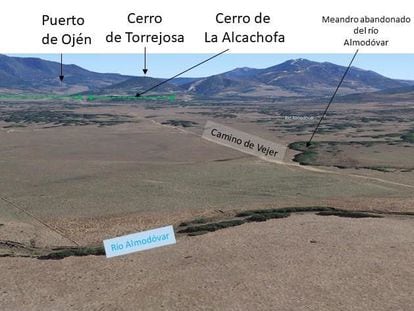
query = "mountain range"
x=37 y=75
x=296 y=77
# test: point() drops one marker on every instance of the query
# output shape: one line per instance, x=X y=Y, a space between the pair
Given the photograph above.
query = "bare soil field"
x=304 y=262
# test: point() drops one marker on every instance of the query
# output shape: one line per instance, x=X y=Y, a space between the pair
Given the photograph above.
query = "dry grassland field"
x=329 y=228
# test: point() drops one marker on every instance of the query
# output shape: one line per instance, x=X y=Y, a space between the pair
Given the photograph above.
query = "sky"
x=399 y=66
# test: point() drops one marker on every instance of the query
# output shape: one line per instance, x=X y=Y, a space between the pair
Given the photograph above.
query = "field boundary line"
x=55 y=230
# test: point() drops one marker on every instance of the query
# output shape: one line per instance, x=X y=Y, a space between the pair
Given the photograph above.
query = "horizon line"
x=94 y=65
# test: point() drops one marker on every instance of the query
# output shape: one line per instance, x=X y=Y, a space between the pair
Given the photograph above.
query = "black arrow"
x=145 y=70
x=332 y=98
x=61 y=77
x=179 y=74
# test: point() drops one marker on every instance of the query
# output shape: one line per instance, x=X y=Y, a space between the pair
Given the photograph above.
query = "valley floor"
x=77 y=185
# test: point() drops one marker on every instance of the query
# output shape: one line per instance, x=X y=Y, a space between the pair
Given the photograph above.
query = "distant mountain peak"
x=299 y=62
x=294 y=77
x=242 y=69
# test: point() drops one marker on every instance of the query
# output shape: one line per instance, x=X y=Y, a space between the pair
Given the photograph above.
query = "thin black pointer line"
x=145 y=57
x=61 y=64
x=54 y=229
x=179 y=74
x=332 y=98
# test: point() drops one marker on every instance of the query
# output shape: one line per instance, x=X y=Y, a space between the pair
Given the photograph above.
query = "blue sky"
x=399 y=66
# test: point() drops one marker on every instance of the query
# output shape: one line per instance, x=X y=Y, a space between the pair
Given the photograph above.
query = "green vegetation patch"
x=266 y=216
x=383 y=169
x=284 y=210
x=213 y=226
x=301 y=145
x=85 y=97
x=182 y=123
x=197 y=233
x=323 y=153
x=75 y=251
x=198 y=226
x=308 y=157
x=408 y=137
x=198 y=220
x=61 y=118
x=348 y=214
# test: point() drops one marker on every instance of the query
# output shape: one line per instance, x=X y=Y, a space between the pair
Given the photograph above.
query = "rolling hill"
x=37 y=75
x=138 y=84
x=297 y=77
x=399 y=94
